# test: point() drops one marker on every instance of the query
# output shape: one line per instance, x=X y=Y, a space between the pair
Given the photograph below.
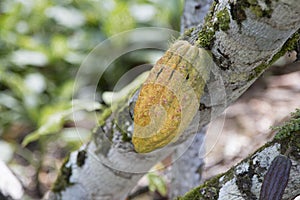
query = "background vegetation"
x=42 y=44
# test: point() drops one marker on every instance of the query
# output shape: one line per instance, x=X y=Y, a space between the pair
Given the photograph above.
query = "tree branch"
x=244 y=39
x=244 y=181
x=194 y=13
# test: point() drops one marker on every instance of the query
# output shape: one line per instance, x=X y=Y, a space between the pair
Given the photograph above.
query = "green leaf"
x=15 y=83
x=111 y=98
x=118 y=20
x=86 y=105
x=53 y=123
x=59 y=46
x=156 y=183
x=8 y=101
x=53 y=118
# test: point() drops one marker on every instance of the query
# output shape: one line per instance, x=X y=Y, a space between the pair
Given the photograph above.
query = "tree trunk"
x=244 y=39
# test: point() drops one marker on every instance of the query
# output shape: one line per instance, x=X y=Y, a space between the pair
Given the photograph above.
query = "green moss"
x=237 y=77
x=125 y=136
x=258 y=10
x=237 y=11
x=289 y=45
x=210 y=189
x=223 y=19
x=206 y=191
x=289 y=136
x=122 y=121
x=297 y=140
x=104 y=115
x=207 y=33
x=288 y=128
x=188 y=32
x=81 y=156
x=238 y=8
x=206 y=36
x=63 y=179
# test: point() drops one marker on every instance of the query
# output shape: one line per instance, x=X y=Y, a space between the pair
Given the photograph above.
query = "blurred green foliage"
x=42 y=44
x=157 y=183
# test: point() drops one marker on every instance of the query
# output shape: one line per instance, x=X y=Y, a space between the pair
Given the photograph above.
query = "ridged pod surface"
x=276 y=179
x=170 y=97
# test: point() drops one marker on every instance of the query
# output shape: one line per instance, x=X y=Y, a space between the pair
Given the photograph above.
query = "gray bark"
x=194 y=12
x=244 y=181
x=111 y=167
x=186 y=168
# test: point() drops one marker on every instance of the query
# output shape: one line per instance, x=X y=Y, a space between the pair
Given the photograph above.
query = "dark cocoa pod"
x=276 y=179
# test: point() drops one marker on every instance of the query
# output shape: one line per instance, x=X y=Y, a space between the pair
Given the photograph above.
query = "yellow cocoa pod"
x=170 y=97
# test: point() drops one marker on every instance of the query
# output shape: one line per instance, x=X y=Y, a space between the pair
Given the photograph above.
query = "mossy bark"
x=240 y=43
x=244 y=180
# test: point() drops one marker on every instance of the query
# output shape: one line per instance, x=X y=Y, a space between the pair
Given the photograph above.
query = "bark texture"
x=244 y=38
x=186 y=168
x=194 y=13
x=244 y=181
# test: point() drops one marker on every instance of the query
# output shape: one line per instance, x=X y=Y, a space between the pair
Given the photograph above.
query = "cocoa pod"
x=170 y=97
x=276 y=179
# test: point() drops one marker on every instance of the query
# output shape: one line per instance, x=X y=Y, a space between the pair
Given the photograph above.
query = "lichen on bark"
x=289 y=45
x=238 y=51
x=238 y=9
x=212 y=23
x=249 y=173
x=207 y=33
x=63 y=179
